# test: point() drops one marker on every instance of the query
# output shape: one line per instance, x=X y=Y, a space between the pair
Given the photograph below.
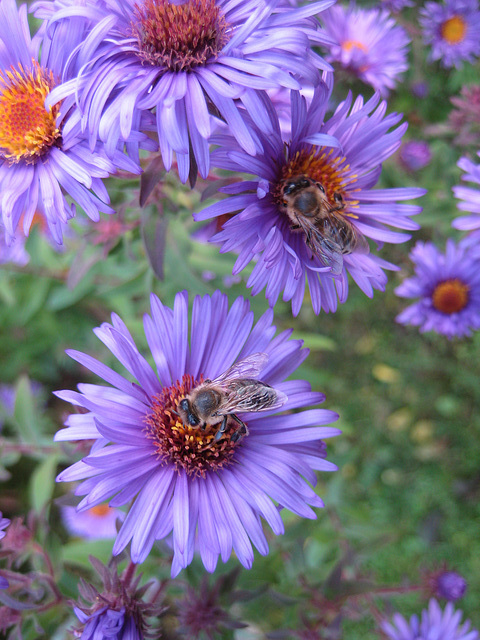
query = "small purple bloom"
x=448 y=286
x=4 y=522
x=469 y=196
x=434 y=624
x=208 y=488
x=189 y=60
x=449 y=585
x=369 y=45
x=108 y=624
x=43 y=156
x=415 y=154
x=452 y=30
x=95 y=523
x=342 y=156
x=395 y=6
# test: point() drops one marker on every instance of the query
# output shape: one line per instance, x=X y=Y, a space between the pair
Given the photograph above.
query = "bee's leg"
x=241 y=431
x=221 y=429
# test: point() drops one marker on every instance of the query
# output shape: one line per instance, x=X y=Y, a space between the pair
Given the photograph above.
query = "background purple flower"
x=415 y=154
x=344 y=153
x=95 y=523
x=368 y=44
x=43 y=156
x=452 y=30
x=434 y=624
x=469 y=196
x=108 y=624
x=186 y=61
x=448 y=288
x=209 y=494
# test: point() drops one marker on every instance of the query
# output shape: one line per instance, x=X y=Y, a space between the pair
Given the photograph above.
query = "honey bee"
x=328 y=234
x=212 y=402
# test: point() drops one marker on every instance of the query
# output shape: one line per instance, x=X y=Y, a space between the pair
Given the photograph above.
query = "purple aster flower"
x=342 y=157
x=452 y=29
x=108 y=624
x=206 y=485
x=449 y=585
x=448 y=286
x=188 y=60
x=368 y=44
x=95 y=523
x=42 y=155
x=434 y=624
x=469 y=196
x=415 y=154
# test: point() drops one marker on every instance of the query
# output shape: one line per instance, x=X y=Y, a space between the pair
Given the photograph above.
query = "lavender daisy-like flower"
x=452 y=30
x=95 y=523
x=188 y=60
x=206 y=478
x=368 y=44
x=333 y=166
x=434 y=624
x=448 y=288
x=42 y=155
x=415 y=154
x=469 y=196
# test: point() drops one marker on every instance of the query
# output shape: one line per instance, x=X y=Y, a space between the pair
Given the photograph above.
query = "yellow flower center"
x=453 y=30
x=100 y=511
x=27 y=128
x=450 y=296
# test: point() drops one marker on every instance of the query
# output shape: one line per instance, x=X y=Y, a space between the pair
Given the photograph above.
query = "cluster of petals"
x=452 y=30
x=264 y=45
x=108 y=623
x=434 y=624
x=39 y=185
x=219 y=511
x=358 y=137
x=368 y=44
x=469 y=196
x=456 y=273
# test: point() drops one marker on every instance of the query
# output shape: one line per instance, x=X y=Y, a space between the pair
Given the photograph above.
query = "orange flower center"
x=179 y=36
x=27 y=129
x=453 y=30
x=100 y=511
x=450 y=296
x=191 y=449
x=348 y=45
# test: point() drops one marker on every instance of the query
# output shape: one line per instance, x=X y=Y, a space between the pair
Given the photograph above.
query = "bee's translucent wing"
x=248 y=367
x=249 y=395
x=361 y=244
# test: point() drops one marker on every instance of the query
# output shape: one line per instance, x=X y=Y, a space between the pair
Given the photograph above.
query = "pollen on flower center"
x=319 y=164
x=100 y=510
x=27 y=129
x=450 y=296
x=190 y=449
x=453 y=30
x=179 y=36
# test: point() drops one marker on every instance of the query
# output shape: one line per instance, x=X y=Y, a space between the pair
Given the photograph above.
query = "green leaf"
x=25 y=412
x=42 y=483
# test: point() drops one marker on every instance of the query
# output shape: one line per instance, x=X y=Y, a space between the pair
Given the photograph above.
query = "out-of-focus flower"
x=4 y=522
x=15 y=252
x=188 y=60
x=449 y=585
x=118 y=610
x=97 y=522
x=415 y=154
x=343 y=155
x=207 y=487
x=395 y=6
x=452 y=30
x=464 y=119
x=469 y=196
x=420 y=89
x=8 y=397
x=434 y=624
x=43 y=157
x=448 y=286
x=371 y=46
